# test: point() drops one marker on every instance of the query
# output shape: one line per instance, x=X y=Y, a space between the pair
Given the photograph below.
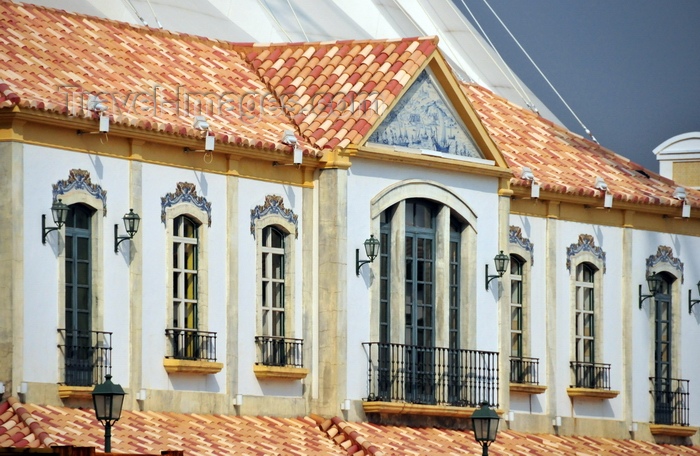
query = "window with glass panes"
x=663 y=329
x=185 y=258
x=384 y=278
x=516 y=307
x=420 y=259
x=455 y=235
x=273 y=281
x=585 y=313
x=78 y=306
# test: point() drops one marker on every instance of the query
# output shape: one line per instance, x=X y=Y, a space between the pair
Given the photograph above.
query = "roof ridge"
x=302 y=44
x=32 y=423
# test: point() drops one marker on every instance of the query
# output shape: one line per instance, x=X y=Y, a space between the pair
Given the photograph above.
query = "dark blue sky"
x=630 y=69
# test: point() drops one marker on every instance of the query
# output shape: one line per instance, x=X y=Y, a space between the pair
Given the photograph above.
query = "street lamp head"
x=485 y=424
x=59 y=212
x=654 y=283
x=131 y=223
x=501 y=261
x=108 y=399
x=372 y=247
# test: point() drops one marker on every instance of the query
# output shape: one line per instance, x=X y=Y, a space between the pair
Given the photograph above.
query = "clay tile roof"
x=158 y=80
x=18 y=428
x=328 y=104
x=382 y=440
x=220 y=435
x=152 y=432
x=149 y=79
x=564 y=162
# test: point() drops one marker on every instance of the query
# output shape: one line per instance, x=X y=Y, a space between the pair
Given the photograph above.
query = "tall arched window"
x=273 y=282
x=665 y=399
x=185 y=270
x=416 y=236
x=585 y=336
x=516 y=307
x=78 y=305
x=277 y=336
x=185 y=287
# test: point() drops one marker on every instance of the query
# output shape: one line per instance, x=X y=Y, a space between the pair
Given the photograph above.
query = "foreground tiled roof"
x=404 y=441
x=18 y=428
x=564 y=162
x=218 y=435
x=151 y=432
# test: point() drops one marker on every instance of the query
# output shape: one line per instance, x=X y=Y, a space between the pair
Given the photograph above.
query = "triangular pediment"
x=425 y=119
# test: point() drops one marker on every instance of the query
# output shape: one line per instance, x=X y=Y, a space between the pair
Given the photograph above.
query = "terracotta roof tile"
x=122 y=61
x=564 y=162
x=330 y=93
x=372 y=439
x=340 y=69
x=151 y=432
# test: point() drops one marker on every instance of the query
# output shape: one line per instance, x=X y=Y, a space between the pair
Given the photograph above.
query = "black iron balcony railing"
x=591 y=375
x=191 y=344
x=278 y=351
x=524 y=370
x=431 y=375
x=671 y=401
x=87 y=356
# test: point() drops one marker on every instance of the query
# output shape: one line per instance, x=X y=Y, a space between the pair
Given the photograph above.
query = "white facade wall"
x=535 y=230
x=44 y=167
x=158 y=181
x=250 y=195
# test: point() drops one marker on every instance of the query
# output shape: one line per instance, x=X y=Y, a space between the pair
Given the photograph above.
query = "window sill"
x=175 y=366
x=291 y=373
x=75 y=392
x=404 y=408
x=592 y=393
x=672 y=431
x=527 y=388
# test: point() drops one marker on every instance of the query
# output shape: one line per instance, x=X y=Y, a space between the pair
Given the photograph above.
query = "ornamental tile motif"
x=79 y=179
x=515 y=236
x=585 y=243
x=274 y=204
x=423 y=119
x=665 y=254
x=185 y=193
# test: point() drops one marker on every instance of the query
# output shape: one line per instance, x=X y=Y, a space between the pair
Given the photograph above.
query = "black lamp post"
x=501 y=260
x=108 y=399
x=485 y=425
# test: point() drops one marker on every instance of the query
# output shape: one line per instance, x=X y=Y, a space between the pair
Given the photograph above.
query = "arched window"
x=273 y=259
x=277 y=340
x=516 y=307
x=420 y=297
x=78 y=301
x=585 y=313
x=185 y=273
